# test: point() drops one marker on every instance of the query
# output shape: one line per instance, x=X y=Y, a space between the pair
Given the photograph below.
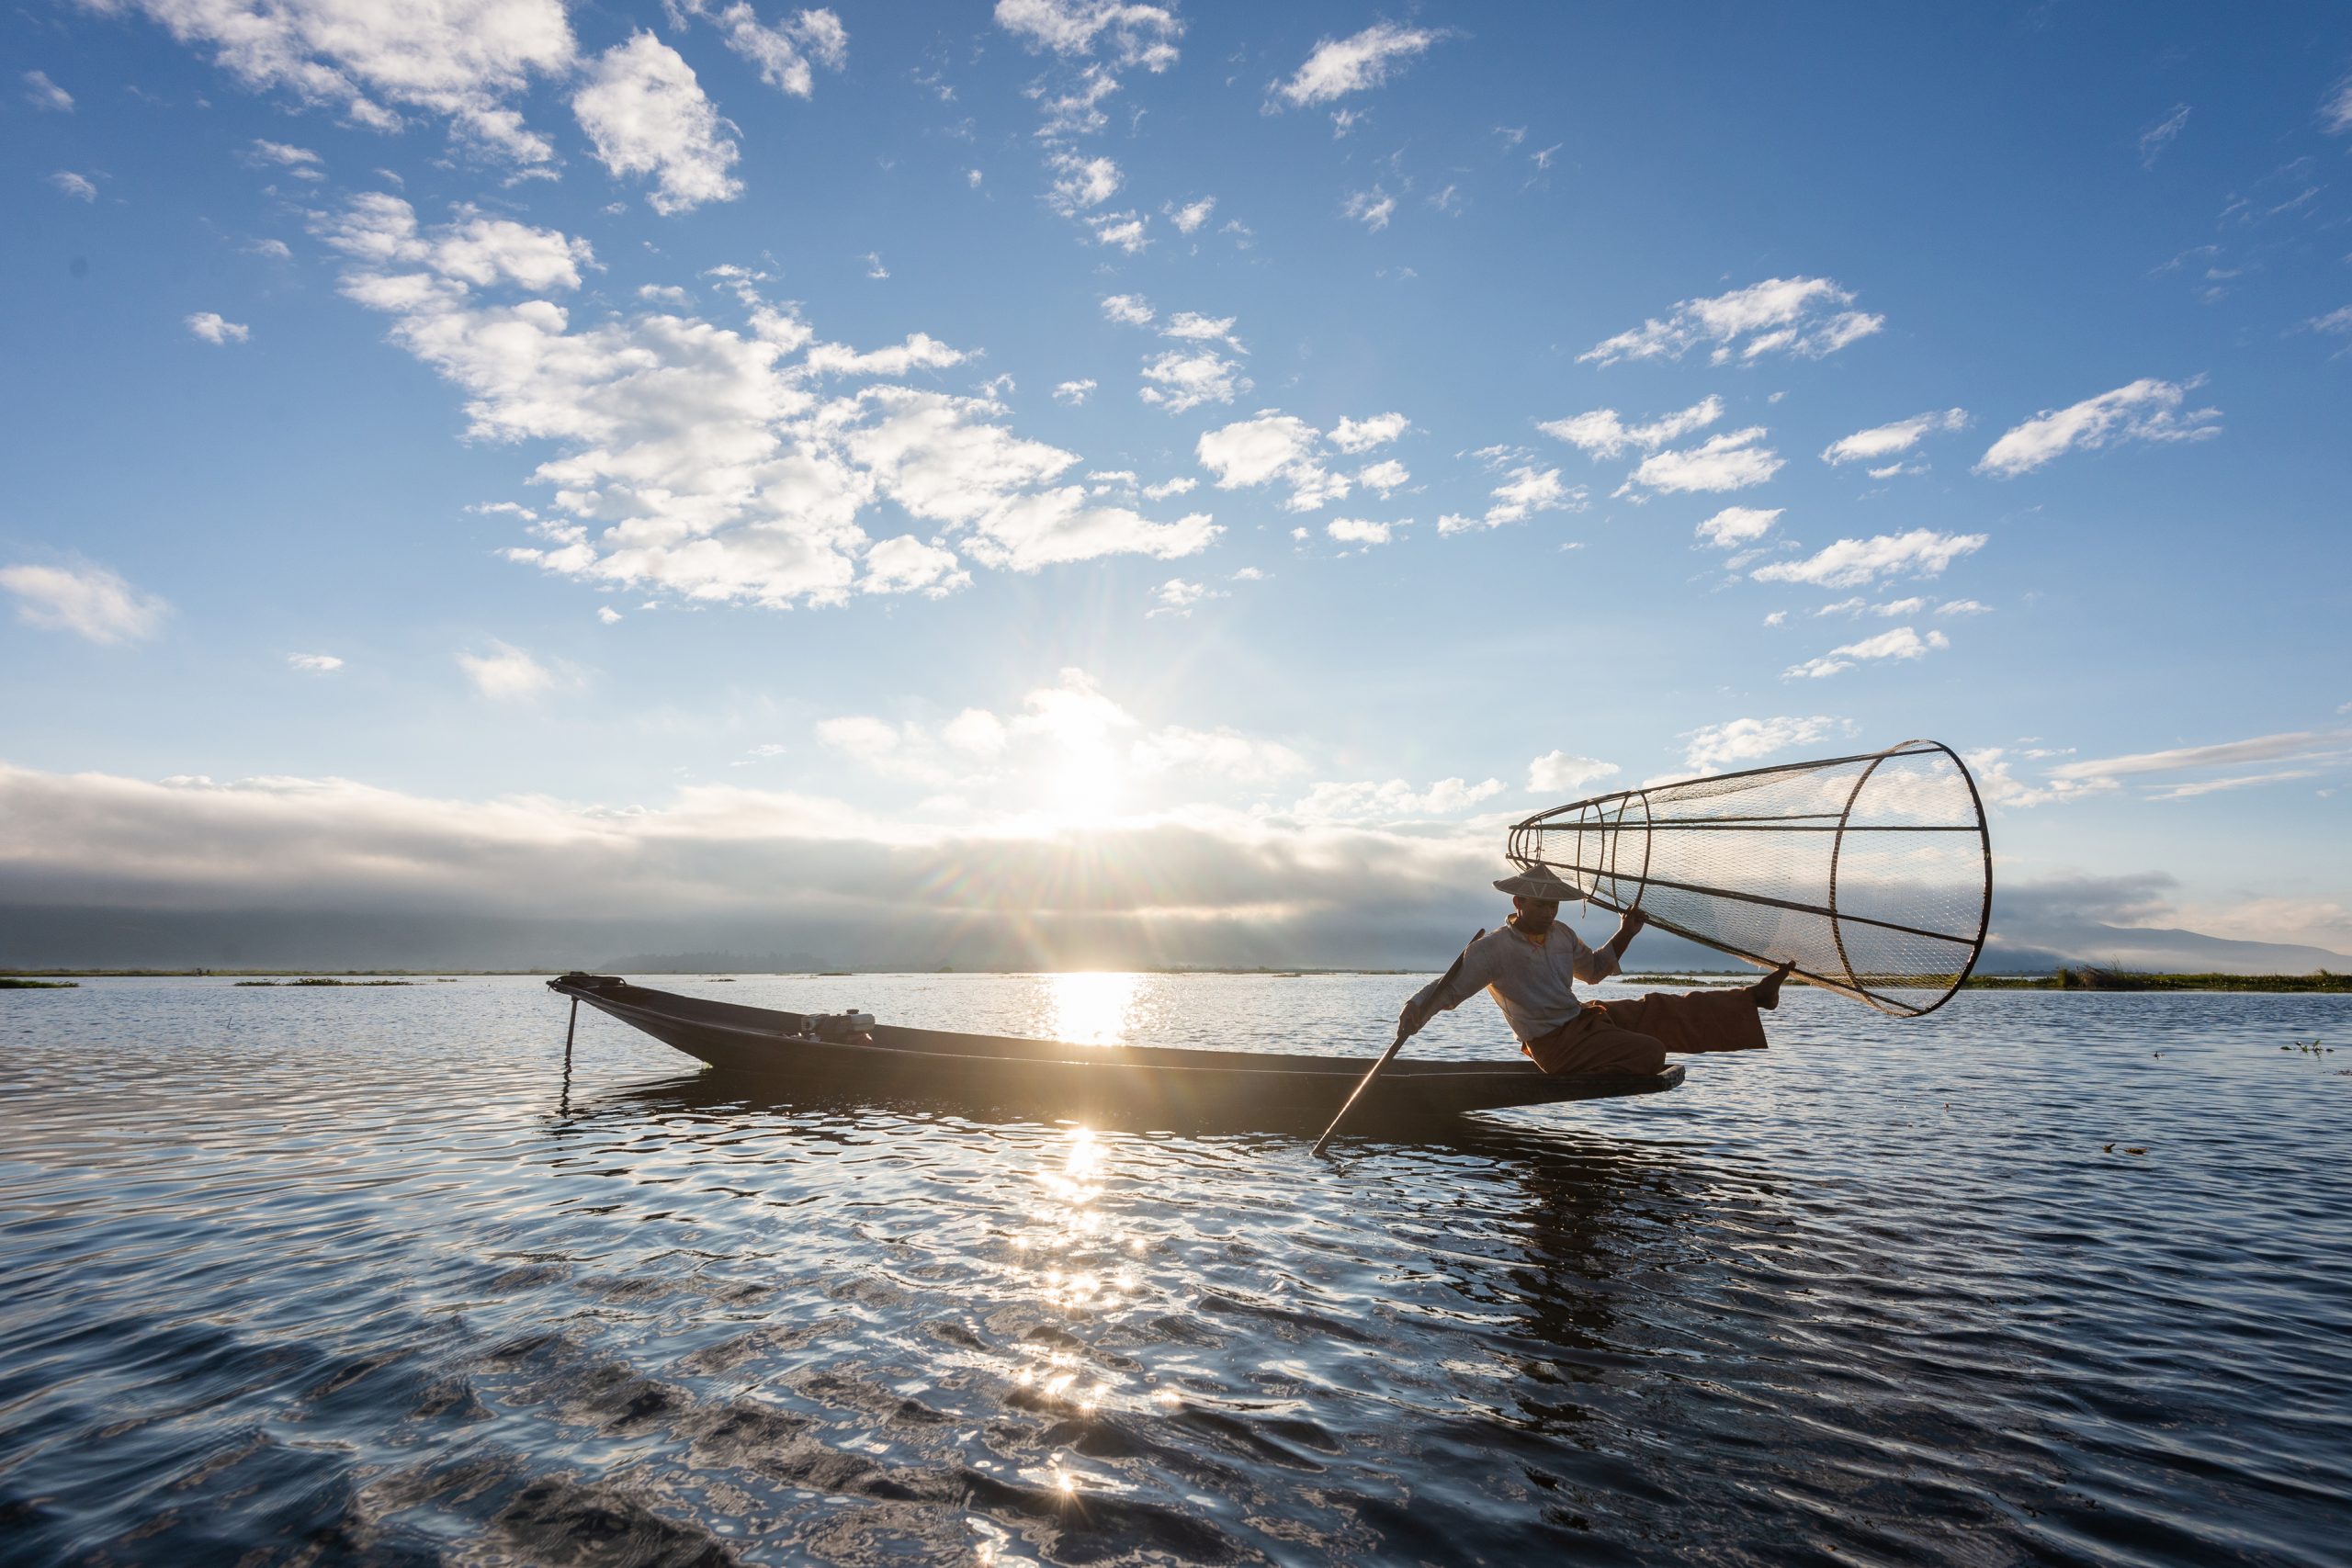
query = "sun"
x=1083 y=789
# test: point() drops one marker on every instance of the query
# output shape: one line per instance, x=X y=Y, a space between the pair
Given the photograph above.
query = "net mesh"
x=1871 y=874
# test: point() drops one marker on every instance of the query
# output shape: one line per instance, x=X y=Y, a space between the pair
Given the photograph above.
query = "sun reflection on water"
x=1090 y=1009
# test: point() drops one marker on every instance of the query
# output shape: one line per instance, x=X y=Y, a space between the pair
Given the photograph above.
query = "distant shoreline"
x=2085 y=979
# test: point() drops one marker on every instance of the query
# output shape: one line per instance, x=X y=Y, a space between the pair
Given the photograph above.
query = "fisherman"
x=1531 y=964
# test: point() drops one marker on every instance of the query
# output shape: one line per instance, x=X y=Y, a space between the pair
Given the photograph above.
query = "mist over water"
x=335 y=1275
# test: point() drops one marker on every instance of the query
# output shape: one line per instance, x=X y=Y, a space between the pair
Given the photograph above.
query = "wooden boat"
x=833 y=1056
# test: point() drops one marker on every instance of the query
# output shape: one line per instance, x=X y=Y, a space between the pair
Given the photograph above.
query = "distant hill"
x=2045 y=946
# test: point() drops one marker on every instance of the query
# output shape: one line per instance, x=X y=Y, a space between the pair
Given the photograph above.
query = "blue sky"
x=1241 y=457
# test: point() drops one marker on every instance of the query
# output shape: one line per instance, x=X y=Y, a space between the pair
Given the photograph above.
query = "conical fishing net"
x=1873 y=874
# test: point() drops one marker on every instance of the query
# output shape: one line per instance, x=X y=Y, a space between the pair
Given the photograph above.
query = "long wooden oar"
x=1403 y=1034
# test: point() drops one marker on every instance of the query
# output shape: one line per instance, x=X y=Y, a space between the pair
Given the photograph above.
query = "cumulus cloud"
x=1851 y=563
x=2146 y=409
x=1179 y=382
x=1555 y=771
x=645 y=113
x=1524 y=492
x=1129 y=309
x=1387 y=477
x=1601 y=434
x=1901 y=643
x=1715 y=748
x=506 y=673
x=1074 y=393
x=709 y=459
x=315 y=663
x=212 y=328
x=1885 y=440
x=1273 y=448
x=906 y=565
x=1357 y=436
x=1177 y=597
x=1736 y=525
x=1340 y=66
x=785 y=54
x=1733 y=461
x=1121 y=231
x=1804 y=316
x=1190 y=216
x=1081 y=183
x=1123 y=32
x=84 y=598
x=461 y=62
x=1360 y=531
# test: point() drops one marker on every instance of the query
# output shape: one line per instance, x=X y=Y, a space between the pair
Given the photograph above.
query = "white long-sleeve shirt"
x=1533 y=983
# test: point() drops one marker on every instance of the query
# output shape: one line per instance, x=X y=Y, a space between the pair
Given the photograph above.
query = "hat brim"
x=1550 y=889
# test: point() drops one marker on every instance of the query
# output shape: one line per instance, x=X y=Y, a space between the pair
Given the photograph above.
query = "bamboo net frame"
x=1873 y=874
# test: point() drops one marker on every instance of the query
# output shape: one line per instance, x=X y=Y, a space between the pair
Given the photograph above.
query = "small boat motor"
x=847 y=1027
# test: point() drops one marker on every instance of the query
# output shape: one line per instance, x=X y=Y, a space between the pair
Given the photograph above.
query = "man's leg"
x=1703 y=1021
x=1594 y=1043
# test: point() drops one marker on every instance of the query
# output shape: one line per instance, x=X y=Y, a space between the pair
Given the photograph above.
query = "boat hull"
x=1147 y=1087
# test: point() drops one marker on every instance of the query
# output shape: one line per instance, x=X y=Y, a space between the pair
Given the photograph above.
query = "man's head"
x=1535 y=914
x=1537 y=892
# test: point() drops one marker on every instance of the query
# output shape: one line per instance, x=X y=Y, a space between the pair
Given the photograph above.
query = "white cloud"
x=1355 y=435
x=1601 y=434
x=2295 y=745
x=1963 y=607
x=1781 y=315
x=975 y=732
x=1372 y=208
x=1123 y=231
x=1189 y=217
x=874 y=268
x=210 y=326
x=784 y=52
x=1733 y=461
x=2158 y=136
x=1559 y=770
x=2335 y=112
x=1271 y=447
x=315 y=663
x=1358 y=531
x=1128 y=310
x=1341 y=66
x=1221 y=753
x=1387 y=478
x=1851 y=563
x=300 y=160
x=1074 y=393
x=2246 y=781
x=1716 y=747
x=462 y=60
x=2146 y=409
x=1526 y=491
x=74 y=185
x=1394 y=800
x=1887 y=610
x=44 y=94
x=646 y=114
x=1738 y=525
x=1177 y=597
x=84 y=598
x=1134 y=34
x=1885 y=440
x=705 y=458
x=1778 y=617
x=506 y=673
x=607 y=615
x=920 y=351
x=1081 y=183
x=1179 y=382
x=1900 y=643
x=906 y=565
x=664 y=294
x=1166 y=488
x=1192 y=327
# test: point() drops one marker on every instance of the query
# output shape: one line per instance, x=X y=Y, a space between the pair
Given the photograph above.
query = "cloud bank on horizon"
x=1308 y=442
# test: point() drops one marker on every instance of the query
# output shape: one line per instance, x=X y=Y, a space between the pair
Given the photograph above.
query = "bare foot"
x=1767 y=992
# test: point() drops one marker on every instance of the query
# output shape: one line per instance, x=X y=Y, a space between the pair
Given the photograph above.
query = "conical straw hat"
x=1538 y=882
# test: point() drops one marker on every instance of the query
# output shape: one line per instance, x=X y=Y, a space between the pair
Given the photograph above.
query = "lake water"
x=331 y=1276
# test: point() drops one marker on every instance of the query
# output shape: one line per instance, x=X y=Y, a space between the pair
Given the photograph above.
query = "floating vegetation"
x=2094 y=977
x=320 y=980
x=9 y=983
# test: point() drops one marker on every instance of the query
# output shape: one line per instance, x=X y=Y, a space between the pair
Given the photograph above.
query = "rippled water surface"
x=359 y=1275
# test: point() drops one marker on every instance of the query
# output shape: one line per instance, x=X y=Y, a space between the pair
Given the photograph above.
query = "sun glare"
x=1084 y=787
x=1091 y=1009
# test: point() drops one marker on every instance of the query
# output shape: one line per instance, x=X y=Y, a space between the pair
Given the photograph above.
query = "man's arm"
x=1595 y=964
x=1437 y=996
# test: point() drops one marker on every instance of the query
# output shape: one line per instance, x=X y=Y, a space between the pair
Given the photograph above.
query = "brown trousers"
x=1634 y=1036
